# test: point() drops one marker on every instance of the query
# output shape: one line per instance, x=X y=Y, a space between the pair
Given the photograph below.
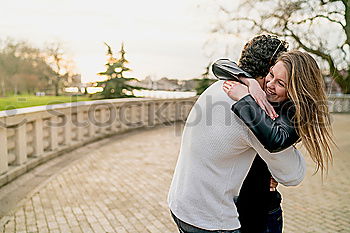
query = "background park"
x=93 y=97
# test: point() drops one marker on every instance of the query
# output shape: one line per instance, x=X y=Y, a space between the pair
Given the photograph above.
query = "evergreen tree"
x=116 y=85
x=203 y=83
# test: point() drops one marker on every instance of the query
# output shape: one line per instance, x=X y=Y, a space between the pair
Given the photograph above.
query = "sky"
x=162 y=38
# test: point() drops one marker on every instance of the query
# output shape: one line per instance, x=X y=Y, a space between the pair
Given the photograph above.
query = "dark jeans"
x=187 y=228
x=275 y=221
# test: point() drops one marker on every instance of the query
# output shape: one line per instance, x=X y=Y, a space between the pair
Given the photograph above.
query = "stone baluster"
x=53 y=129
x=92 y=122
x=21 y=144
x=144 y=116
x=38 y=137
x=80 y=125
x=67 y=131
x=116 y=120
x=172 y=110
x=347 y=105
x=136 y=115
x=3 y=150
x=151 y=114
x=104 y=120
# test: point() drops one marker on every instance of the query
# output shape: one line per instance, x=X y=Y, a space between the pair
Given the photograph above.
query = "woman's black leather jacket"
x=275 y=135
x=226 y=69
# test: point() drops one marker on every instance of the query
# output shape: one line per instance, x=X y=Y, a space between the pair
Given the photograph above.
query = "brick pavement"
x=318 y=206
x=122 y=187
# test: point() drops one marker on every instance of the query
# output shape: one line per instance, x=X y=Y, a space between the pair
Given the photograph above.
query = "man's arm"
x=287 y=167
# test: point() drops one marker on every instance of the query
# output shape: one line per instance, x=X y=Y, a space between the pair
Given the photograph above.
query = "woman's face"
x=276 y=83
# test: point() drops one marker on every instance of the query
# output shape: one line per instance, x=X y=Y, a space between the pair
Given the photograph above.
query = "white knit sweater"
x=217 y=150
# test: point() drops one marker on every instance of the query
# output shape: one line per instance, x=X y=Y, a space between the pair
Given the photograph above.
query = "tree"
x=203 y=83
x=116 y=85
x=23 y=68
x=60 y=64
x=320 y=27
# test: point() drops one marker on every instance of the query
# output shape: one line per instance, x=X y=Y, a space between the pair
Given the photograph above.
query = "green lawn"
x=23 y=101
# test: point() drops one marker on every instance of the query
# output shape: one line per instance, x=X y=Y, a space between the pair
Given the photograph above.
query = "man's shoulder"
x=215 y=93
x=213 y=87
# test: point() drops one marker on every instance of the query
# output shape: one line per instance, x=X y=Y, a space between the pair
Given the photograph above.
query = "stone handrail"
x=31 y=136
x=339 y=103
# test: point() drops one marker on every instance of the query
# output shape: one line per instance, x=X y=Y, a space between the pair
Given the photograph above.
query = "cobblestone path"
x=122 y=187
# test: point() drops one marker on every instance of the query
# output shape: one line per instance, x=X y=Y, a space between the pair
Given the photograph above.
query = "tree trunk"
x=57 y=88
x=16 y=88
x=3 y=90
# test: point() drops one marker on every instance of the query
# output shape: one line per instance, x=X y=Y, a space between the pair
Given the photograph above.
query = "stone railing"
x=31 y=136
x=339 y=103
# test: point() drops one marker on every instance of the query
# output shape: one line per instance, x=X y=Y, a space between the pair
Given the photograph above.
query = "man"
x=216 y=153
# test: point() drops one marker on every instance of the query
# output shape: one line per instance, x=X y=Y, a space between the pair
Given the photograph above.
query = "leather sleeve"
x=274 y=135
x=226 y=69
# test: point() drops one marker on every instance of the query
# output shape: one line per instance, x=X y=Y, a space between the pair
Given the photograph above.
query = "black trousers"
x=187 y=228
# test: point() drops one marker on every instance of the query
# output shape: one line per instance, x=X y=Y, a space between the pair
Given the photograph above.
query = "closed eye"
x=281 y=83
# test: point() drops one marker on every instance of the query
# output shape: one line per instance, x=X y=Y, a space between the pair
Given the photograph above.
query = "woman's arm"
x=274 y=135
x=226 y=69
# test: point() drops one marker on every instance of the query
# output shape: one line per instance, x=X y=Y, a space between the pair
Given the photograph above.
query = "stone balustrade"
x=31 y=136
x=339 y=103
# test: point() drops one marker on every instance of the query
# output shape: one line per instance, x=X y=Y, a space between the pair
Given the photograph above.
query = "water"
x=164 y=94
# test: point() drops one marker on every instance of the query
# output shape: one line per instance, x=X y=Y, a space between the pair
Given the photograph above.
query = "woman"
x=296 y=79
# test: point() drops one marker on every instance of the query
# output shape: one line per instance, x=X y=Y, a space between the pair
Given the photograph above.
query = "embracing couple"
x=238 y=140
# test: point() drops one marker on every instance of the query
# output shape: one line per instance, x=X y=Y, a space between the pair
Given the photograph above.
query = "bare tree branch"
x=294 y=19
x=341 y=48
x=345 y=2
x=333 y=69
x=347 y=20
x=319 y=16
x=257 y=25
x=323 y=2
x=224 y=10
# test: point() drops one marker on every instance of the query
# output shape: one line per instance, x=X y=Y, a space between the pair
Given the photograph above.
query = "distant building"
x=188 y=85
x=165 y=84
x=147 y=83
x=168 y=84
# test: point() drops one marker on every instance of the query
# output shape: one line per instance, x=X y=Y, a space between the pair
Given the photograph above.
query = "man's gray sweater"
x=217 y=150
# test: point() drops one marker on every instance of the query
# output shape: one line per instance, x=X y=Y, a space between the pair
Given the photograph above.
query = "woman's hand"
x=273 y=184
x=260 y=97
x=235 y=90
x=255 y=90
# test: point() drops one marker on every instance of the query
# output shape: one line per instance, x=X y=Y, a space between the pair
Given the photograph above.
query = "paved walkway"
x=121 y=185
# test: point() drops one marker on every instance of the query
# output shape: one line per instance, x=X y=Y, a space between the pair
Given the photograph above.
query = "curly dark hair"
x=260 y=53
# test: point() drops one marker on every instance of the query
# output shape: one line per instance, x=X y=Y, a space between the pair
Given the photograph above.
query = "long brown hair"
x=306 y=89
